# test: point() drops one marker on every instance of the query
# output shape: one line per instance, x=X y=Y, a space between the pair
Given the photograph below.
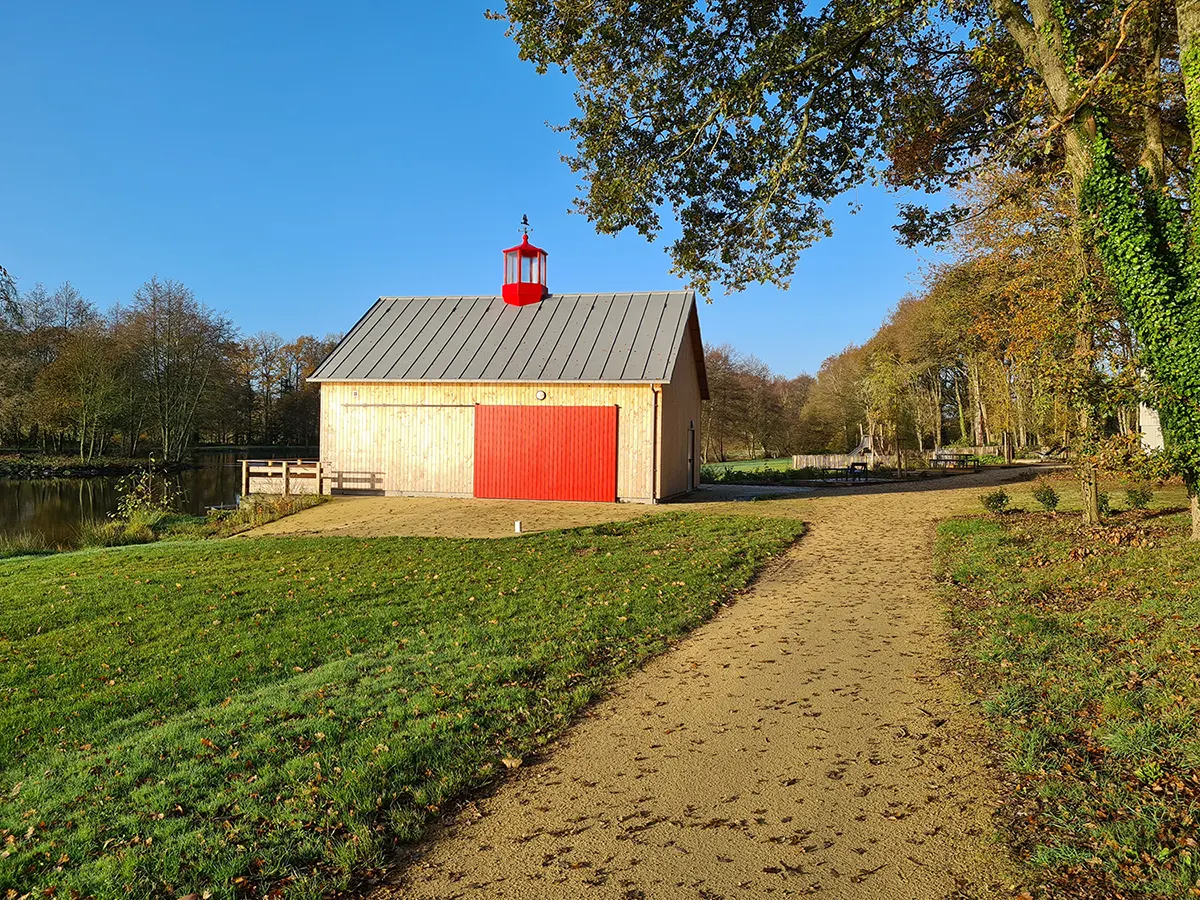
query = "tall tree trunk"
x=962 y=412
x=937 y=412
x=1187 y=14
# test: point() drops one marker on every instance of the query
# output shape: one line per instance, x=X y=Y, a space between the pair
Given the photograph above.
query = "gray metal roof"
x=565 y=337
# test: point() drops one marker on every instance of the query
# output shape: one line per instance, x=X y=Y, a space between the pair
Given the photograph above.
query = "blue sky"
x=291 y=162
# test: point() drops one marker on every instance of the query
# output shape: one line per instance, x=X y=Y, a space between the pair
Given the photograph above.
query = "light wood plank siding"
x=680 y=408
x=419 y=438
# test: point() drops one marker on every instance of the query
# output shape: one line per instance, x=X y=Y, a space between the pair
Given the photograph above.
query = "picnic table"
x=853 y=472
x=954 y=461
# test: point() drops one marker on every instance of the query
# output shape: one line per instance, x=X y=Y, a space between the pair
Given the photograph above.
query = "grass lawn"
x=753 y=471
x=1084 y=645
x=782 y=464
x=238 y=716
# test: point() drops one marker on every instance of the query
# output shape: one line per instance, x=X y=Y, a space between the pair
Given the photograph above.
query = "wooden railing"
x=282 y=476
x=369 y=482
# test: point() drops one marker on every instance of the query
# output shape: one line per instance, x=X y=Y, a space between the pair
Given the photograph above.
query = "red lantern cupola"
x=524 y=273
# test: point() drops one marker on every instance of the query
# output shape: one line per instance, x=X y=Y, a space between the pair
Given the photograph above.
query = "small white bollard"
x=517 y=526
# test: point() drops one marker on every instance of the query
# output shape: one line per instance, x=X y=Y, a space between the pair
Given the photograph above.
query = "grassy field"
x=241 y=716
x=781 y=464
x=752 y=471
x=1084 y=645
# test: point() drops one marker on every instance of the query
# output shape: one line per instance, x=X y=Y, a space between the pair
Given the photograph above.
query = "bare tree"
x=182 y=345
x=266 y=357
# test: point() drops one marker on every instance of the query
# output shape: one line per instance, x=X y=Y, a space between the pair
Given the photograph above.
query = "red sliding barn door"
x=546 y=452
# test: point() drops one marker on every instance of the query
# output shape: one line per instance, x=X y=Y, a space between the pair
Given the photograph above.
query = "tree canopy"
x=161 y=372
x=744 y=121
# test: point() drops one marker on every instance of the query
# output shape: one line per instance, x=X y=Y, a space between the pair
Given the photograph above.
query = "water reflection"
x=56 y=507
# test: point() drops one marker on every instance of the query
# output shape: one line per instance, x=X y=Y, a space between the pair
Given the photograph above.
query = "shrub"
x=995 y=501
x=255 y=510
x=1045 y=494
x=146 y=490
x=1103 y=501
x=1139 y=495
x=115 y=533
x=24 y=544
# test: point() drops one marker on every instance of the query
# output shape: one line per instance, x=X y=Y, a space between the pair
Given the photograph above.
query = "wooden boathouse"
x=526 y=395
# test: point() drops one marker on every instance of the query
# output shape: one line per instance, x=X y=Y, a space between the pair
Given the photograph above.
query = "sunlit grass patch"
x=234 y=716
x=1084 y=646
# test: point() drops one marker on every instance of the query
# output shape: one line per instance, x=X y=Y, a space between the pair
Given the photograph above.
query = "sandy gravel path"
x=441 y=517
x=806 y=741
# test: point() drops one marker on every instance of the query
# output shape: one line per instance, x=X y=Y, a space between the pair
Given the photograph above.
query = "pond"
x=56 y=507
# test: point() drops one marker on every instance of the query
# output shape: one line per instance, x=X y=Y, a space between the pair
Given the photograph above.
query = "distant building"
x=528 y=395
x=1150 y=427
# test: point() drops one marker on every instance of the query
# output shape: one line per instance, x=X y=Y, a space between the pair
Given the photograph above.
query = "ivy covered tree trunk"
x=1151 y=253
x=1150 y=256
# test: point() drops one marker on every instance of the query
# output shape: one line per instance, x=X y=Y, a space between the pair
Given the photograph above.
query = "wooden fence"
x=912 y=459
x=826 y=460
x=281 y=476
x=984 y=450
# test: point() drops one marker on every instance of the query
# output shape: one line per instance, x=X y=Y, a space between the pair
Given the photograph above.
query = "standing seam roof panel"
x=639 y=351
x=457 y=322
x=366 y=338
x=531 y=369
x=593 y=367
x=425 y=323
x=573 y=332
x=479 y=363
x=475 y=341
x=689 y=311
x=527 y=328
x=670 y=330
x=601 y=306
x=332 y=358
x=411 y=365
x=565 y=337
x=392 y=343
x=477 y=308
x=614 y=366
x=520 y=342
x=395 y=319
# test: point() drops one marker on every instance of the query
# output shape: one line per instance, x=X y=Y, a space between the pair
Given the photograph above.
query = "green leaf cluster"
x=1151 y=261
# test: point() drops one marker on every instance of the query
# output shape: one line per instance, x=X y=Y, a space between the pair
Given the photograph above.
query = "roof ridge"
x=547 y=297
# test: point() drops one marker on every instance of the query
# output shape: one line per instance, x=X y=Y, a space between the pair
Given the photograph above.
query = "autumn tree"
x=83 y=386
x=744 y=120
x=833 y=416
x=751 y=411
x=299 y=406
